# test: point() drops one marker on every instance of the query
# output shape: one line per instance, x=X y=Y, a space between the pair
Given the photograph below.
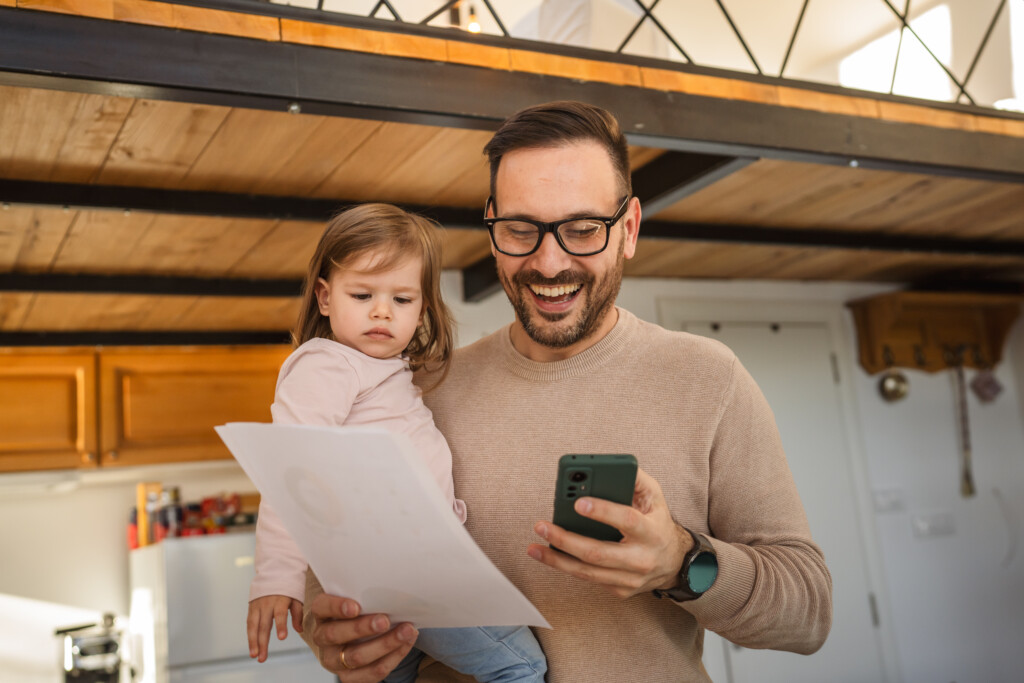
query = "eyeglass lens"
x=580 y=237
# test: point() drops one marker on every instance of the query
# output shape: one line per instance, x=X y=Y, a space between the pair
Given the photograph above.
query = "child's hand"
x=263 y=612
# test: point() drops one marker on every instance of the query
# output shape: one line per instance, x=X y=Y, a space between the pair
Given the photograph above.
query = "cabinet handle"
x=89 y=458
x=112 y=455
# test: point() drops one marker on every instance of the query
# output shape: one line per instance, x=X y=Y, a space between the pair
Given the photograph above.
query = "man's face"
x=564 y=303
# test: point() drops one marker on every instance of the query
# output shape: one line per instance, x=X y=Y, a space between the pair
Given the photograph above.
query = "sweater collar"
x=580 y=364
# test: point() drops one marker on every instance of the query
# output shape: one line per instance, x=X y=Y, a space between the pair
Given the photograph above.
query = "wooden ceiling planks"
x=693 y=259
x=159 y=143
x=801 y=195
x=14 y=307
x=136 y=312
x=283 y=252
x=30 y=237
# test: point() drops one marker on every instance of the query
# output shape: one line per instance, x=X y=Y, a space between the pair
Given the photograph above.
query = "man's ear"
x=323 y=295
x=631 y=224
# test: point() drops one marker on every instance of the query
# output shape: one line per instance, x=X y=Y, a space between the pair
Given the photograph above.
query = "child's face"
x=373 y=312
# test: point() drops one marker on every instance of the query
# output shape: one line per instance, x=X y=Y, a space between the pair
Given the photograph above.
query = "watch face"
x=702 y=572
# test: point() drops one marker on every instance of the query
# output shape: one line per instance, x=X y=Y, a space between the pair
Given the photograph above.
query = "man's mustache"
x=566 y=277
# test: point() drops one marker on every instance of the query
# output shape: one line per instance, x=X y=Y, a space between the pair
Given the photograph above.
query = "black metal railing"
x=457 y=13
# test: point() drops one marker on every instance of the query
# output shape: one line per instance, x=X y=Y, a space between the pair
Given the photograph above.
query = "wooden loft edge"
x=396 y=44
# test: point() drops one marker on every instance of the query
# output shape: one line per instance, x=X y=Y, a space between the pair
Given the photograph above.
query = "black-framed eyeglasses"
x=584 y=236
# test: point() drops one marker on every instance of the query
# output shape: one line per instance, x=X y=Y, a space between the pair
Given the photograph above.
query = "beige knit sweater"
x=696 y=422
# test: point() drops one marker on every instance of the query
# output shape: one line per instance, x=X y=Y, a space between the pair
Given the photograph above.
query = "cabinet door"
x=162 y=405
x=47 y=410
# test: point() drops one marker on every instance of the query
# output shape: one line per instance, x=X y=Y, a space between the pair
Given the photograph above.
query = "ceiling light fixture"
x=473 y=26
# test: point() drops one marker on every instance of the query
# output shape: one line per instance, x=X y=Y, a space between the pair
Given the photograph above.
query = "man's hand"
x=649 y=555
x=358 y=649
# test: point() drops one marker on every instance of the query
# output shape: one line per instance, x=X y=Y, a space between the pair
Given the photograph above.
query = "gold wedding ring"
x=343 y=662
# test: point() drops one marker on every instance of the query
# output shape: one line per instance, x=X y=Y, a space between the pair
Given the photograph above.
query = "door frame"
x=841 y=332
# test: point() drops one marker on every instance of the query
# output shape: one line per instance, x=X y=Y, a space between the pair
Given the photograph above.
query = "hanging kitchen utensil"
x=984 y=385
x=893 y=384
x=967 y=489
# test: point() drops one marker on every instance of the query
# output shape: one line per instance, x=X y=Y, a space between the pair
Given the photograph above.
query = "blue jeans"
x=494 y=653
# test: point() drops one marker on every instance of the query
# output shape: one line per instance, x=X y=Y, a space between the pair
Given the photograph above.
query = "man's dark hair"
x=557 y=123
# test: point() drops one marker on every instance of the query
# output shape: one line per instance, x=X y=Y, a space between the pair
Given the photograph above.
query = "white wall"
x=948 y=596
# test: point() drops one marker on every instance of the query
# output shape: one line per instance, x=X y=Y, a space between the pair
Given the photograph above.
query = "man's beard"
x=542 y=326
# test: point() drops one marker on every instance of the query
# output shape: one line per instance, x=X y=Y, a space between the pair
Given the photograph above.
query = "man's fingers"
x=332 y=607
x=647 y=492
x=369 y=653
x=621 y=582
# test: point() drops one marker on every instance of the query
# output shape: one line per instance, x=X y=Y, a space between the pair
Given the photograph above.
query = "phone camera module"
x=578 y=476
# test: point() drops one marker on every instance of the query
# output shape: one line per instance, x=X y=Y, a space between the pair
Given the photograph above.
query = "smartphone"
x=608 y=476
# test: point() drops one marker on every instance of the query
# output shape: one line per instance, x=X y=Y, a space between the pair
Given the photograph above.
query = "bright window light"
x=918 y=74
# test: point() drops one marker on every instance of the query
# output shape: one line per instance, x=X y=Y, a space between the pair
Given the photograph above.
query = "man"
x=716 y=537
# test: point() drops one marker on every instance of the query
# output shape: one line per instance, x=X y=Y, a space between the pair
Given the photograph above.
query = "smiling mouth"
x=557 y=294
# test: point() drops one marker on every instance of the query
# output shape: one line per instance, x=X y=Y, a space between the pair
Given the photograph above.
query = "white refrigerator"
x=188 y=607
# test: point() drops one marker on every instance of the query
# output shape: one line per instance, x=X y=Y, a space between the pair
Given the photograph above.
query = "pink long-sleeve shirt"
x=326 y=383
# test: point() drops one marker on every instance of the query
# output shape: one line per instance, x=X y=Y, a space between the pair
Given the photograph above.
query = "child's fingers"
x=296 y=609
x=266 y=622
x=281 y=617
x=252 y=624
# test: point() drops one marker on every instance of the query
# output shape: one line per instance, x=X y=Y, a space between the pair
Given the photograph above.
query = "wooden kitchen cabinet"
x=47 y=410
x=159 y=406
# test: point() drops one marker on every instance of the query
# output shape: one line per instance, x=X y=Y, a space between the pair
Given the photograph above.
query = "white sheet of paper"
x=373 y=525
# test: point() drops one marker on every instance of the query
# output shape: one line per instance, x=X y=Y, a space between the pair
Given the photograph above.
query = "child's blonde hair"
x=395 y=235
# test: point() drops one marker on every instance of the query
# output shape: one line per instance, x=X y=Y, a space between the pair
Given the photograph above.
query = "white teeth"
x=560 y=290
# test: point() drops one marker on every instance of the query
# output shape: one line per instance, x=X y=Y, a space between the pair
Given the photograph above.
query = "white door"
x=793 y=365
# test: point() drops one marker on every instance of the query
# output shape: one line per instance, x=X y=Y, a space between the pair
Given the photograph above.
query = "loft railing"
x=906 y=43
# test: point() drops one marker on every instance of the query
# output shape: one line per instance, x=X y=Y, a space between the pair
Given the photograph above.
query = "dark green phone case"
x=609 y=476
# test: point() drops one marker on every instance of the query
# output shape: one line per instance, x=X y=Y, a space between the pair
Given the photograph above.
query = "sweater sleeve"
x=315 y=388
x=773 y=589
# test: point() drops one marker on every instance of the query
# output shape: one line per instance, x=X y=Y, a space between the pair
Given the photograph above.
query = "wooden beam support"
x=674 y=175
x=148 y=284
x=50 y=50
x=148 y=338
x=480 y=280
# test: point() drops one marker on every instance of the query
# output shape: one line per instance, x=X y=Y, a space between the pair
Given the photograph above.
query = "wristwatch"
x=698 y=573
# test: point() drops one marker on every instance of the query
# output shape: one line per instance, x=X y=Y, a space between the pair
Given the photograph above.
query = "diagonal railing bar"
x=736 y=30
x=320 y=5
x=938 y=61
x=497 y=19
x=792 y=40
x=446 y=6
x=984 y=42
x=385 y=3
x=629 y=36
x=665 y=32
x=899 y=47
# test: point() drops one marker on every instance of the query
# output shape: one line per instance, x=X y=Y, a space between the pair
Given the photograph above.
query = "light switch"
x=933 y=524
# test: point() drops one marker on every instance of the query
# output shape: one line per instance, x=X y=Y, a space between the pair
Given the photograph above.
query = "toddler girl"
x=371 y=315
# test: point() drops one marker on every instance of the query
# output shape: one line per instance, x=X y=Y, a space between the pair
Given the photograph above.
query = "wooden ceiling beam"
x=146 y=338
x=51 y=50
x=148 y=284
x=228 y=205
x=673 y=176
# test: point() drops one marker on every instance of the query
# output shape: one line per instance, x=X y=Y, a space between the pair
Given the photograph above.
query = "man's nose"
x=550 y=259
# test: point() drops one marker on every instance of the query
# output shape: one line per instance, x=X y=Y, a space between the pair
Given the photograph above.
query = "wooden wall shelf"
x=933 y=331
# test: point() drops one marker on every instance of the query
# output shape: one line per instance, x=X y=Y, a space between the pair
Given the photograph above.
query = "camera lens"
x=578 y=476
